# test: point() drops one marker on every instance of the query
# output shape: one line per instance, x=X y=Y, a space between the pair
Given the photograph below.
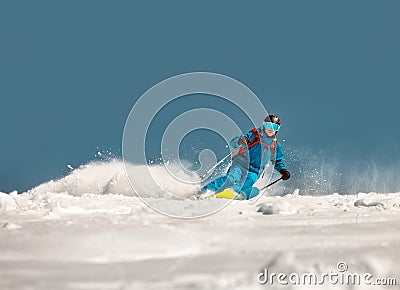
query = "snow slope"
x=88 y=231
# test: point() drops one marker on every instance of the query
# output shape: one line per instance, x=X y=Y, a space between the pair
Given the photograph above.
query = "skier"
x=256 y=148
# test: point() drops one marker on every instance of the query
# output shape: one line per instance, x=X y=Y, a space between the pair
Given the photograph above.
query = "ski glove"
x=243 y=141
x=285 y=174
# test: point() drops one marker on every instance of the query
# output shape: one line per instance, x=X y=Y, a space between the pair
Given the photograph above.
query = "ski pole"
x=270 y=184
x=218 y=163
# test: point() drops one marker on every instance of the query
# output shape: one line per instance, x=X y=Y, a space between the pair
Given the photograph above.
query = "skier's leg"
x=247 y=186
x=251 y=192
x=232 y=177
x=216 y=184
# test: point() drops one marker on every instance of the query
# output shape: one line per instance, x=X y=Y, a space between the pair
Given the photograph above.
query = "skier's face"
x=270 y=128
x=269 y=132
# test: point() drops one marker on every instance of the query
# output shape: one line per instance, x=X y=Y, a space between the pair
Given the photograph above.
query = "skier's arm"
x=249 y=136
x=279 y=163
x=279 y=158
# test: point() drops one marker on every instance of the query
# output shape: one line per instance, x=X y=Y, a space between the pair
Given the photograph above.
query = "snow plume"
x=166 y=189
x=322 y=173
x=104 y=177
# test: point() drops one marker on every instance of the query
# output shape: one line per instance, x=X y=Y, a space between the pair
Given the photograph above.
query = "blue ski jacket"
x=258 y=152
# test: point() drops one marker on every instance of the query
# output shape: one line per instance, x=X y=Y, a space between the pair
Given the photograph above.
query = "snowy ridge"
x=57 y=205
x=135 y=247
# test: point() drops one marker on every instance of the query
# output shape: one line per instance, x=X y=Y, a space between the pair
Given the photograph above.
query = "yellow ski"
x=227 y=193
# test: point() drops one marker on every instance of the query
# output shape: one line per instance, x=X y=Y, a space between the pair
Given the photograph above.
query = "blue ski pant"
x=238 y=178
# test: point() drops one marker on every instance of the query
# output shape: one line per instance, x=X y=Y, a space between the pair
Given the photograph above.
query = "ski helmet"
x=273 y=118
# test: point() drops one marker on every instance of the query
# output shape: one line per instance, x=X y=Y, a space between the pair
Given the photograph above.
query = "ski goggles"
x=270 y=125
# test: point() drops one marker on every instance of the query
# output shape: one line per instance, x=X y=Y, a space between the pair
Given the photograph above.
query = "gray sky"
x=71 y=71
